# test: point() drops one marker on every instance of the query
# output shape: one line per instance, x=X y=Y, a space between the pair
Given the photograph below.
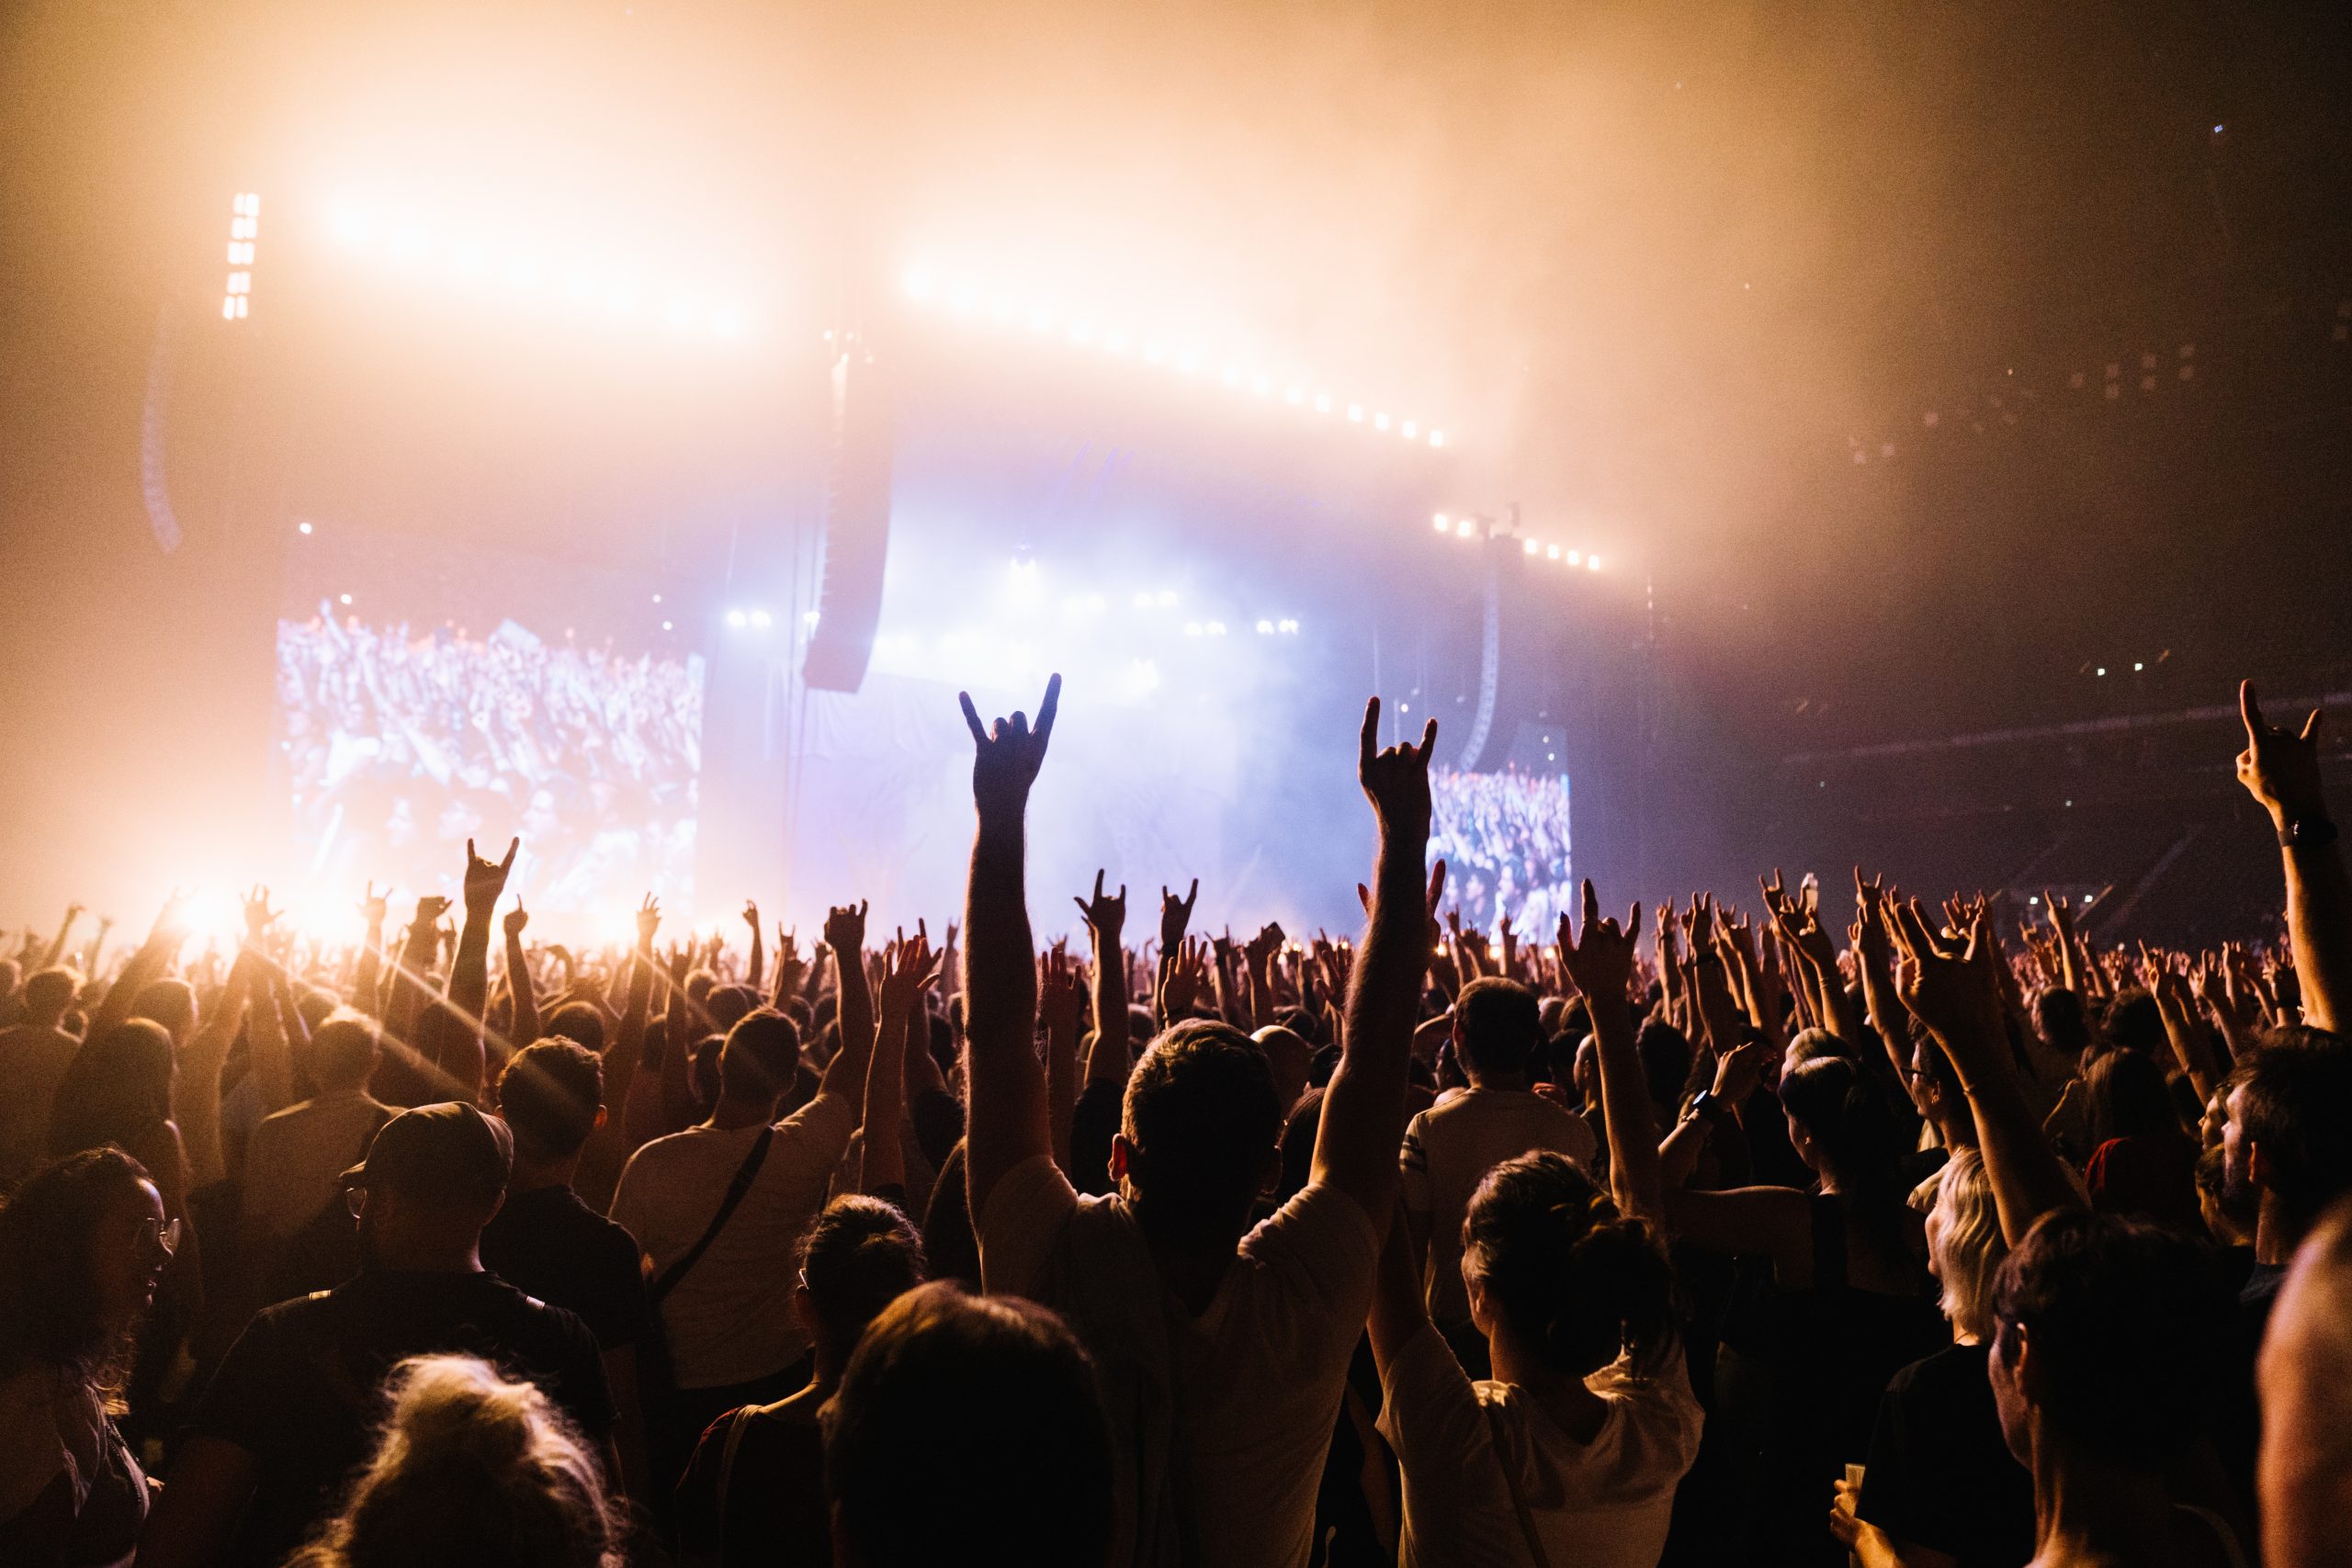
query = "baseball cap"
x=448 y=1153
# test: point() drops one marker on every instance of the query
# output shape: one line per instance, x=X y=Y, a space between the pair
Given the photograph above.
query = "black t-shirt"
x=776 y=1510
x=301 y=1389
x=548 y=1244
x=1939 y=1474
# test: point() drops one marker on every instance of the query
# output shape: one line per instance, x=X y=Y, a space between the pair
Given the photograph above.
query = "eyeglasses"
x=354 y=1198
x=158 y=1234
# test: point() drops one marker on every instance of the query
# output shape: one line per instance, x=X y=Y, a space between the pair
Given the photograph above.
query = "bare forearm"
x=1007 y=1123
x=525 y=1029
x=886 y=1159
x=1107 y=1060
x=2319 y=928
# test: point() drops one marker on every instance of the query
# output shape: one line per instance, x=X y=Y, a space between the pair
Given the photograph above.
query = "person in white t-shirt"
x=1571 y=1453
x=1449 y=1148
x=733 y=1338
x=1221 y=1349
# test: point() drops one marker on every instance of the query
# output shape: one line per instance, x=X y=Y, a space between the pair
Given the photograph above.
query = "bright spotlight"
x=1265 y=628
x=1440 y=523
x=1380 y=422
x=1289 y=627
x=665 y=626
x=1230 y=375
x=1408 y=430
x=1355 y=413
x=1592 y=563
x=302 y=527
x=1167 y=598
x=1295 y=395
x=351 y=227
x=1552 y=552
x=1464 y=528
x=1114 y=342
x=1530 y=547
x=1437 y=437
x=1192 y=628
x=762 y=619
x=1143 y=601
x=737 y=619
x=1322 y=403
x=809 y=618
x=1079 y=332
x=344 y=598
x=918 y=283
x=1215 y=629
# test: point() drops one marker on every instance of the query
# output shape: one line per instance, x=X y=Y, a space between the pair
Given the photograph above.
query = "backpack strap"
x=736 y=1191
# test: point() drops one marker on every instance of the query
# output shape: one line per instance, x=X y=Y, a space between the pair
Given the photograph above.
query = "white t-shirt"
x=1448 y=1150
x=729 y=1320
x=1605 y=1503
x=1221 y=1421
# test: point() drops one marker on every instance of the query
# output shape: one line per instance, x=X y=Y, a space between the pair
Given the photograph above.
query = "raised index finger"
x=1368 y=743
x=972 y=718
x=1046 y=709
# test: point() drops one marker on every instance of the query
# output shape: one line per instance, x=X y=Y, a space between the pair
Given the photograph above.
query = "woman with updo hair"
x=1578 y=1442
x=755 y=1490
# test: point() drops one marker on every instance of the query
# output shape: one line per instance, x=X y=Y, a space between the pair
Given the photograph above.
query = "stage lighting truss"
x=1479 y=528
x=245 y=228
x=964 y=299
x=513 y=269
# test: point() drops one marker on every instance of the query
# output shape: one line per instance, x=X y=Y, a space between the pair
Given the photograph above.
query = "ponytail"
x=1570 y=1275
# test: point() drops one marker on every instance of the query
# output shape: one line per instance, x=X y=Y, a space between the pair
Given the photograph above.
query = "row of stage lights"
x=965 y=298
x=244 y=229
x=1483 y=528
x=472 y=260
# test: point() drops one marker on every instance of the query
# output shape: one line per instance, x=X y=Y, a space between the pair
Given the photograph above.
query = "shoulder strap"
x=1510 y=1479
x=727 y=1472
x=736 y=1190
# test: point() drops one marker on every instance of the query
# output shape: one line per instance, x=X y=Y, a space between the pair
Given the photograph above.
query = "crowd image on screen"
x=1504 y=836
x=402 y=742
x=1715 y=1228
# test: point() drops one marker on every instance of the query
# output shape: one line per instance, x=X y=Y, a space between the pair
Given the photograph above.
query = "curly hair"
x=49 y=1312
x=470 y=1471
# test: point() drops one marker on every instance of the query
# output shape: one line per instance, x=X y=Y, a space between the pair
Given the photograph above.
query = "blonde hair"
x=1964 y=1240
x=472 y=1469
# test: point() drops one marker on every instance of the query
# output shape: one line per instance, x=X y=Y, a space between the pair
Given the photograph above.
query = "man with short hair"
x=1449 y=1148
x=34 y=1056
x=732 y=1335
x=546 y=1241
x=1222 y=1349
x=295 y=1157
x=292 y=1411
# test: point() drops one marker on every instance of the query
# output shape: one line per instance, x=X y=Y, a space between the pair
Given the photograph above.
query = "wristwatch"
x=2307 y=833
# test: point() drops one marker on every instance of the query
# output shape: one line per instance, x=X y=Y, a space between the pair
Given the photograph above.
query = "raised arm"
x=525 y=1029
x=366 y=986
x=2281 y=772
x=907 y=967
x=1059 y=1006
x=1600 y=967
x=1006 y=1123
x=759 y=967
x=1958 y=998
x=1106 y=916
x=195 y=1092
x=149 y=962
x=56 y=944
x=469 y=968
x=1363 y=1107
x=845 y=939
x=407 y=998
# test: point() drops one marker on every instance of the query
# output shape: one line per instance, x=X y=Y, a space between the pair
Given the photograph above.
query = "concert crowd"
x=1707 y=1233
